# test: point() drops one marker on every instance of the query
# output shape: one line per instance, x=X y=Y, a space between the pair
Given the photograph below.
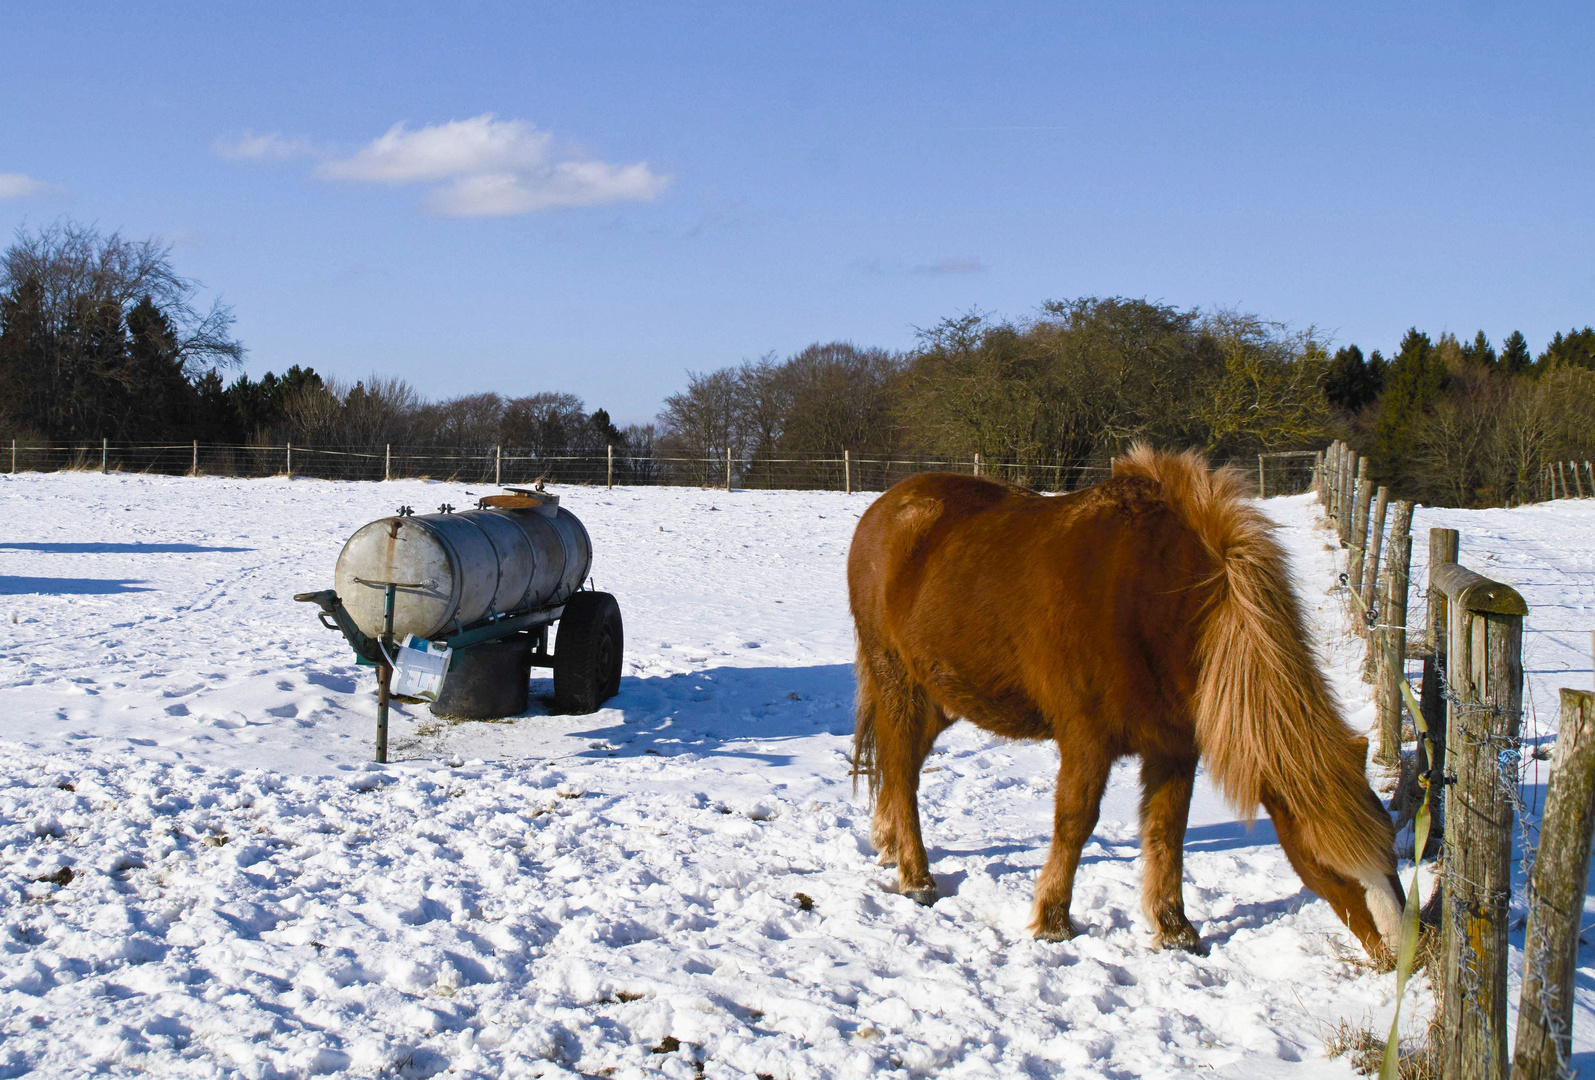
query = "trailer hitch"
x=334 y=616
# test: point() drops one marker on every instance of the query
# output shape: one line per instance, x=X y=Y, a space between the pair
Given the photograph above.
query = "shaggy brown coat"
x=1150 y=615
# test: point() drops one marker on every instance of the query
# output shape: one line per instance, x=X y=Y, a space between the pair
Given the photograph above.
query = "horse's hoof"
x=925 y=895
x=1185 y=939
x=1056 y=929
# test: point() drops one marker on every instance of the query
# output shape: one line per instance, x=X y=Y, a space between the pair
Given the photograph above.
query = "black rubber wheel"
x=587 y=653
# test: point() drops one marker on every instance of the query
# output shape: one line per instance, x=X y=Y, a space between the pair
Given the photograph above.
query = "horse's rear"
x=1090 y=619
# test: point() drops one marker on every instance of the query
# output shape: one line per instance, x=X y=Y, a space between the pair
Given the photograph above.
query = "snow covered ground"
x=202 y=874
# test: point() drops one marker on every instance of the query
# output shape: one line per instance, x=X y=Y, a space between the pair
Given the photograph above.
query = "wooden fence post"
x=1556 y=898
x=609 y=472
x=847 y=472
x=289 y=466
x=1318 y=477
x=1391 y=639
x=1348 y=497
x=1332 y=480
x=1578 y=481
x=105 y=453
x=1359 y=530
x=1375 y=590
x=1342 y=499
x=728 y=468
x=13 y=457
x=977 y=462
x=1262 y=485
x=1376 y=538
x=387 y=461
x=1484 y=662
x=498 y=465
x=1444 y=547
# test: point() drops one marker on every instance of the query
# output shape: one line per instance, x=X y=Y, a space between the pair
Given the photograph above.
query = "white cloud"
x=17 y=186
x=498 y=168
x=480 y=145
x=563 y=184
x=248 y=147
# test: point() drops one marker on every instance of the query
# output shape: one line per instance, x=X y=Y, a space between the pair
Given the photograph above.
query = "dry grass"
x=1366 y=1051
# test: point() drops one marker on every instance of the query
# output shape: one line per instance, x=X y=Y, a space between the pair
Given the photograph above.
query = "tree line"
x=100 y=337
x=1442 y=422
x=1453 y=423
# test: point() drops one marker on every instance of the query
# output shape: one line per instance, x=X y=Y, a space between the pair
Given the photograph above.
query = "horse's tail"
x=868 y=706
x=1267 y=722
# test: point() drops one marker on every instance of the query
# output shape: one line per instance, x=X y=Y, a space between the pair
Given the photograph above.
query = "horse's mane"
x=1268 y=723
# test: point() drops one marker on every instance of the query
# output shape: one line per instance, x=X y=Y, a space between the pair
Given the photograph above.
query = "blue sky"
x=597 y=198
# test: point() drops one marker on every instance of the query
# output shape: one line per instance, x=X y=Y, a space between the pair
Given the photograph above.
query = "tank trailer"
x=455 y=608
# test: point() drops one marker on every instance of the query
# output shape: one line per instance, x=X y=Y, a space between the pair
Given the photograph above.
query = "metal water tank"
x=454 y=570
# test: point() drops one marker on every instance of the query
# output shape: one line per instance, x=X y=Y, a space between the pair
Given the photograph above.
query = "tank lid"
x=521 y=499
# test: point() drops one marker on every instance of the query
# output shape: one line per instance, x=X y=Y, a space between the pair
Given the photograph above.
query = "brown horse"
x=1151 y=615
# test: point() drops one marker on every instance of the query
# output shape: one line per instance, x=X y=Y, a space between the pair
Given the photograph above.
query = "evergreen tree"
x=1414 y=382
x=1480 y=352
x=101 y=384
x=212 y=410
x=161 y=405
x=607 y=433
x=1351 y=382
x=25 y=350
x=1577 y=349
x=1515 y=358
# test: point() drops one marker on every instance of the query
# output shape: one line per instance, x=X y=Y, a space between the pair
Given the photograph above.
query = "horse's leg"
x=1165 y=805
x=1082 y=776
x=906 y=726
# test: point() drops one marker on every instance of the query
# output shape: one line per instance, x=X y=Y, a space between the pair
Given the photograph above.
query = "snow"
x=201 y=872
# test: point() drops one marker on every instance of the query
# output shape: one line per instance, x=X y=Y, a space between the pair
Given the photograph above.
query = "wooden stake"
x=1262 y=486
x=1556 y=898
x=1578 y=481
x=1444 y=547
x=387 y=461
x=1376 y=537
x=1359 y=528
x=194 y=471
x=847 y=472
x=1348 y=492
x=1484 y=661
x=105 y=453
x=728 y=468
x=1393 y=633
x=609 y=482
x=289 y=467
x=498 y=465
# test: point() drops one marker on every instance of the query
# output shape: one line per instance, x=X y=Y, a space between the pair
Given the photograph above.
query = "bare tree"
x=763 y=402
x=68 y=291
x=546 y=424
x=701 y=422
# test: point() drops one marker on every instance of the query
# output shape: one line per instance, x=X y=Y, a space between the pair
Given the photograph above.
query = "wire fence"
x=1284 y=474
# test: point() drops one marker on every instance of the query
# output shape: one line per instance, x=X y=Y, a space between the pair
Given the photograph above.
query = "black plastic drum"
x=487 y=681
